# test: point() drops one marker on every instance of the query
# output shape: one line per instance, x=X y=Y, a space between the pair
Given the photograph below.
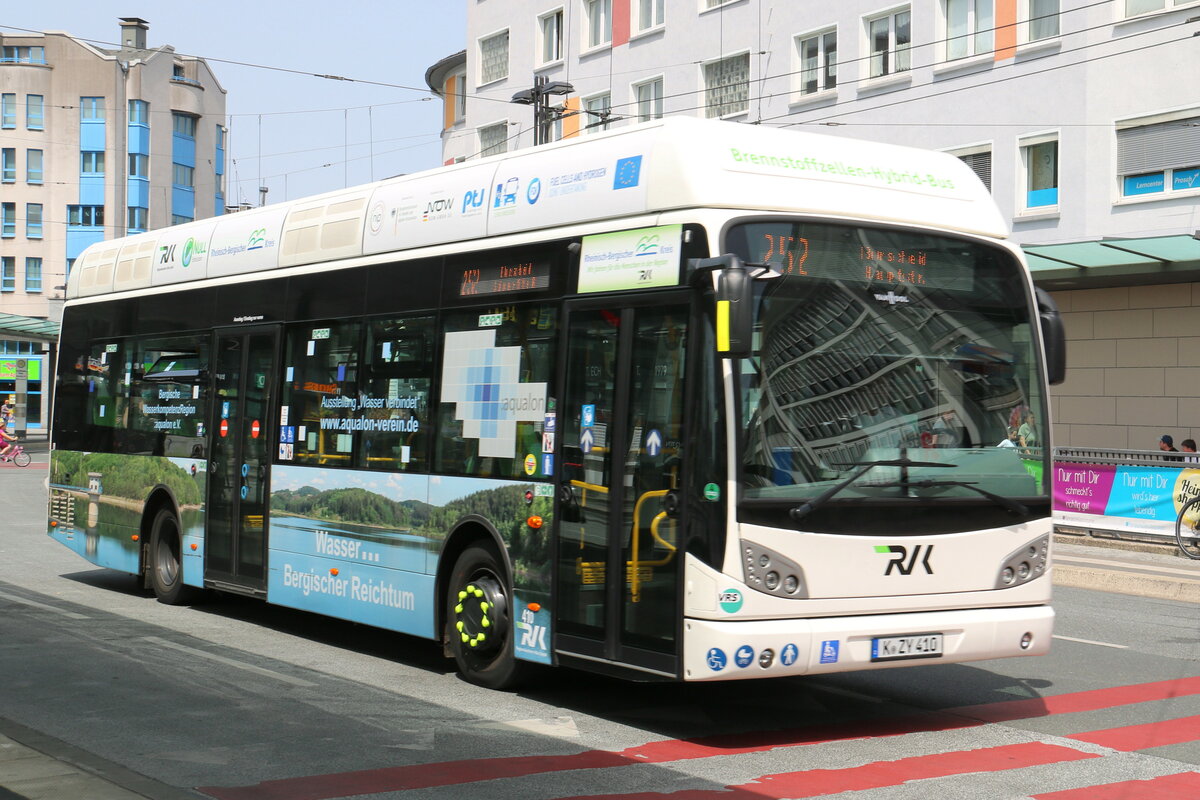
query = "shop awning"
x=18 y=327
x=1115 y=262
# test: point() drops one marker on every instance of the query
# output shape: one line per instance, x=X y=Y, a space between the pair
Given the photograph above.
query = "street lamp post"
x=544 y=115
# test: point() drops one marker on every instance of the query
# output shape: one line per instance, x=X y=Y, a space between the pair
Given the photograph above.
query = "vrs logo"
x=903 y=562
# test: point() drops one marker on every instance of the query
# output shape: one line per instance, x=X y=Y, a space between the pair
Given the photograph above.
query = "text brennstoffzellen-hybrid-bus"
x=689 y=400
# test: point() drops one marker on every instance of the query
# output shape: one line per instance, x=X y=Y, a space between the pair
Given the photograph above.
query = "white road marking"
x=1089 y=641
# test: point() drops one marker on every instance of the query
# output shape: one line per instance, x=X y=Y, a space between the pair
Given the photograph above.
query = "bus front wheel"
x=166 y=560
x=479 y=620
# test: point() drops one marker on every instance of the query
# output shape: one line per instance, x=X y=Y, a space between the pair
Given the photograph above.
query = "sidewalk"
x=45 y=768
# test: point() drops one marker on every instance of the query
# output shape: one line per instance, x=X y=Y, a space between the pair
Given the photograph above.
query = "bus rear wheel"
x=166 y=560
x=479 y=620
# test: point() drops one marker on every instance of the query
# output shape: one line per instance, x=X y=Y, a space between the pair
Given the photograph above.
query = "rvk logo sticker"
x=904 y=562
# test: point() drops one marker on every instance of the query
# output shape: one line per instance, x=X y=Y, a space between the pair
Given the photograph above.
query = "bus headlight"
x=771 y=573
x=1024 y=564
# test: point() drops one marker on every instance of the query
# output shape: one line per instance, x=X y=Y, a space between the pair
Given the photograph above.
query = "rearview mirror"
x=1054 y=337
x=734 y=301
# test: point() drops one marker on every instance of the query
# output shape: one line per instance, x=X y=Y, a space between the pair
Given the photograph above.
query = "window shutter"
x=1164 y=145
x=981 y=165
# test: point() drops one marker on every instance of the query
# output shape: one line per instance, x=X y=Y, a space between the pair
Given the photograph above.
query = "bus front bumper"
x=731 y=650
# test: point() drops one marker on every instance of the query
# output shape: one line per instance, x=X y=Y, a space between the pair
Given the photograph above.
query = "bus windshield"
x=887 y=364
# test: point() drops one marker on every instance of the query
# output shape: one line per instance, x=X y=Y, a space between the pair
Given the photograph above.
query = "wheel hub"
x=480 y=615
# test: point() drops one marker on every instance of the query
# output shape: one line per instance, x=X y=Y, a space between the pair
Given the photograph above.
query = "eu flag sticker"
x=628 y=172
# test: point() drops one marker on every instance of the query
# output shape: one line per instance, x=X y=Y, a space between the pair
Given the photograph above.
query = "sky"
x=296 y=134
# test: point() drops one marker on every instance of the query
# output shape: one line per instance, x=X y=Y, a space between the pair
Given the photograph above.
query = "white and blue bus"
x=685 y=401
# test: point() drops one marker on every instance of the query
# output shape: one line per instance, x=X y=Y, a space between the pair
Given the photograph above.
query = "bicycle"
x=1187 y=528
x=18 y=456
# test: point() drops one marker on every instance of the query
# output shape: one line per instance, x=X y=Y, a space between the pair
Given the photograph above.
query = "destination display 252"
x=499 y=279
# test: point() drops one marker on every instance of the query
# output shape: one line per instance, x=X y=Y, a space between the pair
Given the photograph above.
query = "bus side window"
x=320 y=391
x=494 y=393
x=394 y=388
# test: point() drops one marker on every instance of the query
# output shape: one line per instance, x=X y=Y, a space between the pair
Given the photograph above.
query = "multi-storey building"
x=95 y=143
x=1066 y=109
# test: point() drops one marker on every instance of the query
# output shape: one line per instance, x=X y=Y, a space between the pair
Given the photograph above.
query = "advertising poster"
x=1144 y=499
x=636 y=259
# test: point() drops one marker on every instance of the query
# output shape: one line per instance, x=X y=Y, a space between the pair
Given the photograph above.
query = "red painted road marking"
x=1181 y=786
x=877 y=775
x=1143 y=737
x=450 y=773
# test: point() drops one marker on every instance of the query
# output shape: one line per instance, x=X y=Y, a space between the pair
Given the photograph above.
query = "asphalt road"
x=109 y=694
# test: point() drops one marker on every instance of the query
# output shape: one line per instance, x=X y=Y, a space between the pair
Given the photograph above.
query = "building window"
x=970 y=27
x=817 y=54
x=8 y=220
x=179 y=219
x=34 y=166
x=460 y=96
x=649 y=98
x=182 y=175
x=8 y=110
x=8 y=274
x=649 y=14
x=715 y=3
x=184 y=124
x=91 y=108
x=1043 y=19
x=92 y=162
x=980 y=162
x=1159 y=158
x=8 y=165
x=19 y=54
x=137 y=218
x=33 y=220
x=1135 y=7
x=139 y=165
x=599 y=22
x=550 y=29
x=85 y=216
x=890 y=39
x=493 y=139
x=598 y=109
x=493 y=58
x=139 y=112
x=1039 y=157
x=33 y=274
x=727 y=86
x=35 y=113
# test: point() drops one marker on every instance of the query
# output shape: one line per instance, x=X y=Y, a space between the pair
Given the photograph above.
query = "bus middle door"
x=239 y=468
x=621 y=427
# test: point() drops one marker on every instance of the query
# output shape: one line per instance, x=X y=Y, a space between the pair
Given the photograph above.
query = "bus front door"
x=621 y=426
x=239 y=468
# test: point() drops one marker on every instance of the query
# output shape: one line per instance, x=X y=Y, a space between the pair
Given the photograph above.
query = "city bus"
x=686 y=401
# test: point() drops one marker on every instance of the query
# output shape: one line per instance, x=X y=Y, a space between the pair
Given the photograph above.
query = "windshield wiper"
x=904 y=462
x=1005 y=502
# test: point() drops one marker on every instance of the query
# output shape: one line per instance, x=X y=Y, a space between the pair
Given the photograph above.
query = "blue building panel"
x=91 y=134
x=91 y=190
x=139 y=139
x=79 y=239
x=183 y=150
x=218 y=205
x=139 y=192
x=183 y=202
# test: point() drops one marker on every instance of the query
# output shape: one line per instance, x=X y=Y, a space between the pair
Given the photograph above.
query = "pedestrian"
x=1028 y=431
x=6 y=411
x=1011 y=439
x=1167 y=444
x=1188 y=447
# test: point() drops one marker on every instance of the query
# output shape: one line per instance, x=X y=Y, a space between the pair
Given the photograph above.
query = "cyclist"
x=7 y=439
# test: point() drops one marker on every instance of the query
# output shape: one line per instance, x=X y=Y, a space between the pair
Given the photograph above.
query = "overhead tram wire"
x=909 y=98
x=852 y=61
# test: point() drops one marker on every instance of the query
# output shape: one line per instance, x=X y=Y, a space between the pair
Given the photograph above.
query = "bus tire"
x=479 y=625
x=166 y=560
